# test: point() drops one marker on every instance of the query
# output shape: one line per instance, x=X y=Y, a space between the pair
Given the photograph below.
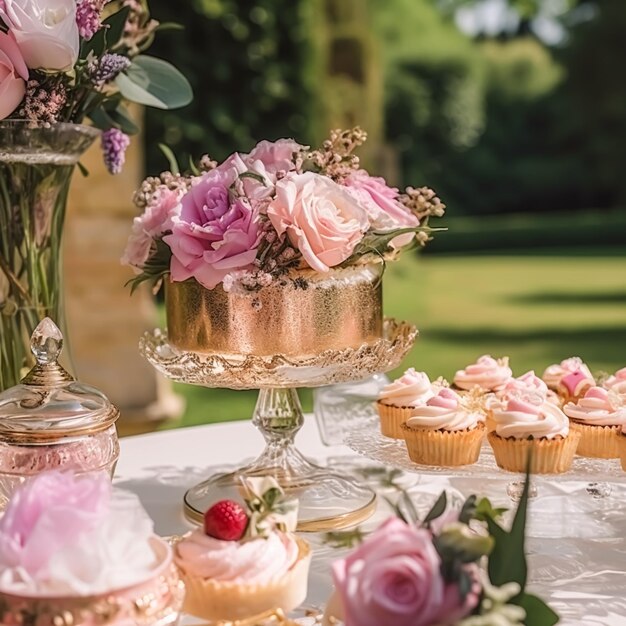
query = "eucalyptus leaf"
x=538 y=613
x=438 y=508
x=154 y=82
x=114 y=26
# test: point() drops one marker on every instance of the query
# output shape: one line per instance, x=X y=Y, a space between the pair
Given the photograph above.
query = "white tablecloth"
x=577 y=544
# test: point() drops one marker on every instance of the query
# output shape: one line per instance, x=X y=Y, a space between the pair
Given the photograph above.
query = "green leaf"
x=171 y=158
x=154 y=82
x=169 y=26
x=438 y=508
x=485 y=510
x=114 y=27
x=468 y=510
x=113 y=118
x=538 y=613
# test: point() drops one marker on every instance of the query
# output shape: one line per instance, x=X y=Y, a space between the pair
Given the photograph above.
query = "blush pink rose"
x=45 y=30
x=276 y=156
x=214 y=234
x=155 y=221
x=382 y=206
x=392 y=578
x=321 y=218
x=48 y=513
x=13 y=75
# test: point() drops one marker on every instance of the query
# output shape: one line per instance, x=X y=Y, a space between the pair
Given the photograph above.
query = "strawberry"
x=226 y=520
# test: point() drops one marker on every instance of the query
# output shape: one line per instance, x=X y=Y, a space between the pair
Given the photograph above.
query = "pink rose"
x=48 y=513
x=321 y=218
x=392 y=578
x=381 y=204
x=155 y=221
x=13 y=75
x=215 y=234
x=45 y=30
x=276 y=156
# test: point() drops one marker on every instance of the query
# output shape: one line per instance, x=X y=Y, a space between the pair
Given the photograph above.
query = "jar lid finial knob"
x=46 y=342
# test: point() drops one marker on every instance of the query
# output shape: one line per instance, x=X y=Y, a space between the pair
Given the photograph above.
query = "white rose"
x=322 y=219
x=45 y=30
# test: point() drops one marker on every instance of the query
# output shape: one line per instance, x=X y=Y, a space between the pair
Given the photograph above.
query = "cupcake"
x=487 y=374
x=527 y=385
x=530 y=425
x=398 y=399
x=244 y=563
x=72 y=551
x=447 y=431
x=570 y=379
x=617 y=382
x=599 y=417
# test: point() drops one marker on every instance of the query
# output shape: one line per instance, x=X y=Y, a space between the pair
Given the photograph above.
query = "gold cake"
x=300 y=314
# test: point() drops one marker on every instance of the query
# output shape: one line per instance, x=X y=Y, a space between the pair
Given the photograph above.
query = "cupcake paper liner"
x=214 y=600
x=597 y=442
x=622 y=449
x=443 y=448
x=392 y=418
x=550 y=456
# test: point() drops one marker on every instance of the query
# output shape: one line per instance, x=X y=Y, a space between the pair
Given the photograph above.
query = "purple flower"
x=88 y=18
x=107 y=68
x=114 y=144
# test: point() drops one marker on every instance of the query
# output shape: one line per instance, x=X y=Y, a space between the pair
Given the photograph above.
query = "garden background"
x=515 y=112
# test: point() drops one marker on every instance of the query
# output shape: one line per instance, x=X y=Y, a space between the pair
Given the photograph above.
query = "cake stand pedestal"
x=327 y=500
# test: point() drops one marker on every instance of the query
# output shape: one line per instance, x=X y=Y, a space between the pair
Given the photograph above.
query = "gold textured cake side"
x=302 y=314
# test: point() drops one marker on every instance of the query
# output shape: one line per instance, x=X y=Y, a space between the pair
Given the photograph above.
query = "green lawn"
x=535 y=309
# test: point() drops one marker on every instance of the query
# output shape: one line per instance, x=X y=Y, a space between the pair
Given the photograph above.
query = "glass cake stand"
x=326 y=500
x=368 y=441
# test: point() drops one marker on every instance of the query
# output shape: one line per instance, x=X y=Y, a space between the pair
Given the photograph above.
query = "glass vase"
x=36 y=167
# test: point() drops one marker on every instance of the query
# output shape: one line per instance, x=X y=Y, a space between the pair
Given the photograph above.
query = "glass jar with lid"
x=51 y=421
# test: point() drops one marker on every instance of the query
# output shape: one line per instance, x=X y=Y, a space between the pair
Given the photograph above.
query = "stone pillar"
x=105 y=322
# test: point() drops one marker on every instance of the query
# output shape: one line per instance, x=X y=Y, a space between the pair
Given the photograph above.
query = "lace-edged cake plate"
x=367 y=441
x=278 y=371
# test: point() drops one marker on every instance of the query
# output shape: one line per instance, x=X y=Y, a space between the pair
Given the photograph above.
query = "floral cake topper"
x=255 y=217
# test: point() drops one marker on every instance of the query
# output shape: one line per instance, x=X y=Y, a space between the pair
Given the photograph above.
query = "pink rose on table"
x=392 y=578
x=155 y=221
x=321 y=218
x=276 y=156
x=48 y=514
x=382 y=206
x=215 y=234
x=45 y=30
x=13 y=75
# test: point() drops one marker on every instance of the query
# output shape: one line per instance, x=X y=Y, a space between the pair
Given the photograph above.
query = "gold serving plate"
x=304 y=313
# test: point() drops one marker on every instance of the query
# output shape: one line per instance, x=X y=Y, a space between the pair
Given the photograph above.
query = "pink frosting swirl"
x=598 y=407
x=444 y=411
x=520 y=419
x=555 y=373
x=487 y=373
x=617 y=382
x=255 y=561
x=410 y=390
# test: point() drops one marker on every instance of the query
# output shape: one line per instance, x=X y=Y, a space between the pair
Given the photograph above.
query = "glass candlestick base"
x=327 y=501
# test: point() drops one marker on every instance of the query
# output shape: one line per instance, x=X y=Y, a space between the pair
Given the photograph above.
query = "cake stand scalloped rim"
x=257 y=372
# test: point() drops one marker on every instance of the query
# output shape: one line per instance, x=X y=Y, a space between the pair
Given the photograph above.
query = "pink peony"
x=276 y=156
x=393 y=578
x=45 y=30
x=13 y=75
x=321 y=218
x=215 y=233
x=381 y=202
x=155 y=221
x=47 y=514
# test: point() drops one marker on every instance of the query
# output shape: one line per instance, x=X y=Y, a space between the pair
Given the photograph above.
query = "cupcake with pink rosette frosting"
x=487 y=374
x=244 y=563
x=617 y=382
x=570 y=378
x=398 y=400
x=529 y=425
x=447 y=431
x=599 y=417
